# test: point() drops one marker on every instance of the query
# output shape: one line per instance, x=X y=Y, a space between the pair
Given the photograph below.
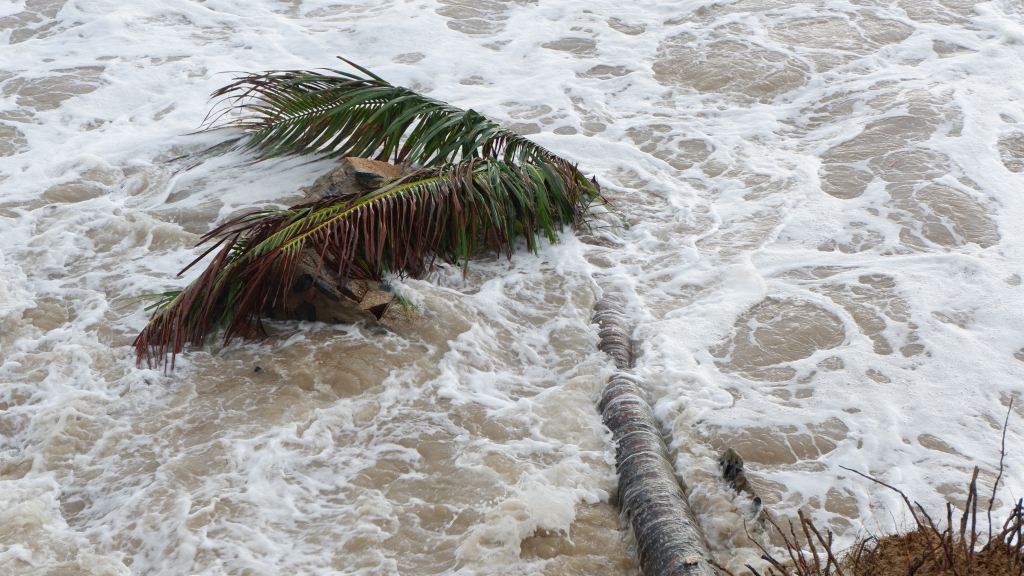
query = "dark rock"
x=305 y=282
x=732 y=472
x=305 y=311
x=369 y=179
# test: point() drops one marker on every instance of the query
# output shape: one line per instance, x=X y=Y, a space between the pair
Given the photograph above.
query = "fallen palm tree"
x=669 y=542
x=465 y=183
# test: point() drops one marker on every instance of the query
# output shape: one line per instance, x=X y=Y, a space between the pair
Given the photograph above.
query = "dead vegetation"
x=950 y=546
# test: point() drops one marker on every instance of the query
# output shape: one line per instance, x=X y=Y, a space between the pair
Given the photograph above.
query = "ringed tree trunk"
x=669 y=542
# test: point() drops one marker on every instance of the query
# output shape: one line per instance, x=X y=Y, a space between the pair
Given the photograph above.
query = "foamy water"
x=817 y=228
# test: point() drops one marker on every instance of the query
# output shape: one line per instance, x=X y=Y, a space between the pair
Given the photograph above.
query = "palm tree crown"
x=468 y=180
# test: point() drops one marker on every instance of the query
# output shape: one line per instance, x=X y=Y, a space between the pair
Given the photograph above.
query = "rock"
x=732 y=472
x=353 y=178
x=317 y=294
x=354 y=289
x=377 y=301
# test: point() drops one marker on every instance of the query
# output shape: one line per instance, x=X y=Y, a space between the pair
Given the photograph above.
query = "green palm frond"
x=439 y=212
x=342 y=114
x=480 y=182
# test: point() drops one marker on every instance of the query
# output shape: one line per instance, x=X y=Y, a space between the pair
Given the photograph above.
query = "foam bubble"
x=819 y=242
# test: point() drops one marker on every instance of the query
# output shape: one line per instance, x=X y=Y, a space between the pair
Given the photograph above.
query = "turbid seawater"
x=816 y=223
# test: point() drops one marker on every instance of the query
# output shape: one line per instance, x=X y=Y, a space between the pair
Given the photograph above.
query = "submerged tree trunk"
x=669 y=542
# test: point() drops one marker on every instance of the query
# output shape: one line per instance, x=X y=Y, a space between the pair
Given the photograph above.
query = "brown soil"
x=922 y=553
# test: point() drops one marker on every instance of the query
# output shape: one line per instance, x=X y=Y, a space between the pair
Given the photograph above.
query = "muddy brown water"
x=468 y=441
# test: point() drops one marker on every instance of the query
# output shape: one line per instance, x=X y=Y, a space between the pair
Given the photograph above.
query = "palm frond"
x=341 y=114
x=441 y=212
x=479 y=181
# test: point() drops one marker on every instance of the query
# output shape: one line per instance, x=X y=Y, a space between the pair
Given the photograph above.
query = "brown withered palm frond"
x=440 y=212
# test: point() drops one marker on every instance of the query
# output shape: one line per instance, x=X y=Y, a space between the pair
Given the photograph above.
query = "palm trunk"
x=669 y=542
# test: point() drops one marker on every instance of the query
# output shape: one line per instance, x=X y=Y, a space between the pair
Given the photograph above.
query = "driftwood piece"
x=669 y=542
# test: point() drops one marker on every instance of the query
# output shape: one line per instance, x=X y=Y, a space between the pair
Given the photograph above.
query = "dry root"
x=958 y=549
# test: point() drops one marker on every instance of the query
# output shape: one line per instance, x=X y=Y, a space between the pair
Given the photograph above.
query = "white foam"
x=117 y=447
